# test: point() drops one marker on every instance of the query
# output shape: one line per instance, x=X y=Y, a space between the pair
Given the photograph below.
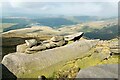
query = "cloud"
x=44 y=8
x=61 y=8
x=61 y=0
x=0 y=9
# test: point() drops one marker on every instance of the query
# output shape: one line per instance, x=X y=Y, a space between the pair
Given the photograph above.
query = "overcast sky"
x=60 y=7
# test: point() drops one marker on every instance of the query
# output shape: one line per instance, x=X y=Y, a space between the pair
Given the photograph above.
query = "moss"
x=92 y=59
x=69 y=42
x=48 y=72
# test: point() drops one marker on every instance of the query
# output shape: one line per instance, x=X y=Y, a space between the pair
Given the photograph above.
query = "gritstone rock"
x=57 y=38
x=114 y=47
x=31 y=42
x=40 y=61
x=21 y=48
x=74 y=37
x=37 y=48
x=60 y=43
x=100 y=71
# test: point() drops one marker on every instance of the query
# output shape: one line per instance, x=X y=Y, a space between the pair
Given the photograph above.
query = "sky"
x=103 y=8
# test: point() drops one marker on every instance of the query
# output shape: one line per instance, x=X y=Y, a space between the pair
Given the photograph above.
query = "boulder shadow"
x=6 y=74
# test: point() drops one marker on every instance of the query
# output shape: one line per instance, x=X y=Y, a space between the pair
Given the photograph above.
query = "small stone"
x=52 y=45
x=37 y=48
x=21 y=48
x=57 y=38
x=47 y=45
x=46 y=41
x=60 y=43
x=31 y=42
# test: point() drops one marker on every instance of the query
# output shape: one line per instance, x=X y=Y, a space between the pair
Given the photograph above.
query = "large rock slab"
x=100 y=71
x=74 y=37
x=34 y=65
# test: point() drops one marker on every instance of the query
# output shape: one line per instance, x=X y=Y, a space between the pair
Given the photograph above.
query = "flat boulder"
x=47 y=61
x=74 y=37
x=100 y=71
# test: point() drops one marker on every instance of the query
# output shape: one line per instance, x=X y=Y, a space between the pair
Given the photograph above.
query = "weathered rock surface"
x=34 y=46
x=100 y=71
x=35 y=49
x=74 y=37
x=57 y=38
x=21 y=48
x=102 y=50
x=60 y=43
x=115 y=47
x=31 y=42
x=100 y=54
x=26 y=64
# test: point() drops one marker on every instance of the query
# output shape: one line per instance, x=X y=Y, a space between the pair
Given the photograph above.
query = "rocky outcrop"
x=100 y=54
x=33 y=45
x=26 y=64
x=100 y=71
x=114 y=47
x=102 y=50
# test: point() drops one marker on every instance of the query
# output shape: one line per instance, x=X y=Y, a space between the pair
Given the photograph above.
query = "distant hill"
x=81 y=19
x=54 y=22
x=26 y=22
x=20 y=23
x=93 y=27
x=104 y=33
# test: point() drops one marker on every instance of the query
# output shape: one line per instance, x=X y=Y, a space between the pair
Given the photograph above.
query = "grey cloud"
x=80 y=8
